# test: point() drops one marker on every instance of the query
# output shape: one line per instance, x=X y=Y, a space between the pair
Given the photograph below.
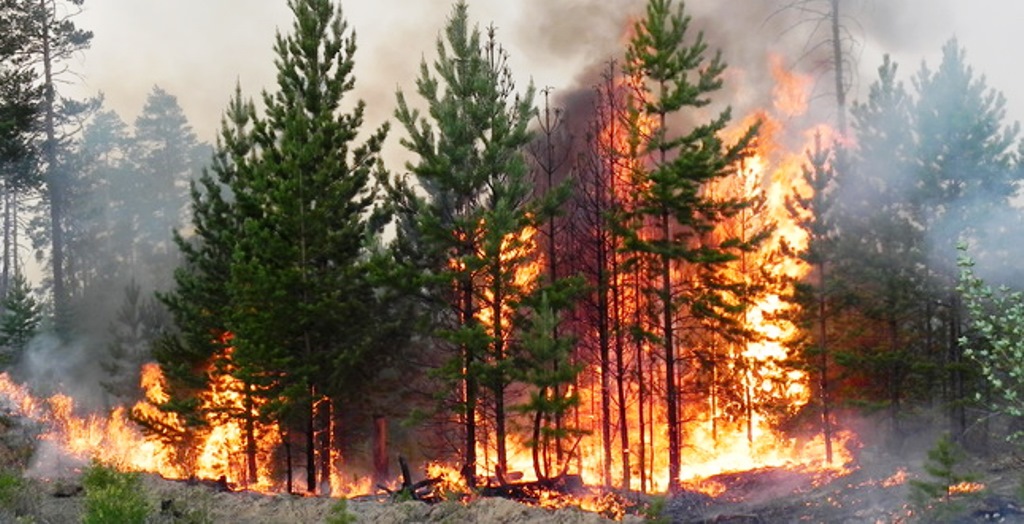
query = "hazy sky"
x=198 y=49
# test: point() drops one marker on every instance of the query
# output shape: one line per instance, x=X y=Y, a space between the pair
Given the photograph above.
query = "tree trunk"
x=470 y=388
x=380 y=449
x=606 y=432
x=288 y=468
x=668 y=338
x=540 y=472
x=5 y=278
x=642 y=398
x=250 y=438
x=498 y=387
x=311 y=442
x=837 y=59
x=957 y=411
x=54 y=180
x=826 y=403
x=327 y=437
x=620 y=379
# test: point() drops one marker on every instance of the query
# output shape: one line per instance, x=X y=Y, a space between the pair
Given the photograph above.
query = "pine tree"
x=19 y=105
x=97 y=245
x=815 y=213
x=165 y=155
x=879 y=253
x=299 y=282
x=471 y=224
x=935 y=497
x=675 y=75
x=55 y=39
x=188 y=357
x=140 y=321
x=965 y=157
x=546 y=365
x=20 y=316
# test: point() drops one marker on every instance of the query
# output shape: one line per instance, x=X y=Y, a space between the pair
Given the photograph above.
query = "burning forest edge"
x=622 y=294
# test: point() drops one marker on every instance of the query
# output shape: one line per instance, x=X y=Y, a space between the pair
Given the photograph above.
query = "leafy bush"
x=996 y=341
x=113 y=496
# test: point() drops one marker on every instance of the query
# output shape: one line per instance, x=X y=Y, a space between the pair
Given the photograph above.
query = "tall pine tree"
x=299 y=277
x=676 y=74
x=466 y=213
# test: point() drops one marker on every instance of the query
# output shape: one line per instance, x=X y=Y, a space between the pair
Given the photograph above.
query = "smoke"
x=49 y=366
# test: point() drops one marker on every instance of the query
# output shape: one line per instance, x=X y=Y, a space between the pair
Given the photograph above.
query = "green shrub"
x=11 y=488
x=99 y=475
x=19 y=500
x=339 y=513
x=113 y=496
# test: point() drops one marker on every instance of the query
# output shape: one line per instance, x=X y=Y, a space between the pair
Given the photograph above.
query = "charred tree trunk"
x=538 y=470
x=642 y=398
x=895 y=383
x=498 y=385
x=826 y=402
x=326 y=410
x=471 y=388
x=604 y=343
x=250 y=437
x=311 y=442
x=288 y=467
x=380 y=449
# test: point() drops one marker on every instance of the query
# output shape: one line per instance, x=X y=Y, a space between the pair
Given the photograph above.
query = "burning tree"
x=468 y=218
x=273 y=303
x=665 y=228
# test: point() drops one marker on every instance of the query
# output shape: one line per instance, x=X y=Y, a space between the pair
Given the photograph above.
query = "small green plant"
x=940 y=498
x=18 y=500
x=99 y=475
x=11 y=487
x=113 y=496
x=654 y=510
x=339 y=513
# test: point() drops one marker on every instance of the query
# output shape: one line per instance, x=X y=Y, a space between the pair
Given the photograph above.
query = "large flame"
x=750 y=388
x=216 y=454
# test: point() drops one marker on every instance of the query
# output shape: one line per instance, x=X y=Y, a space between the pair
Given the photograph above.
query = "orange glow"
x=731 y=423
x=115 y=439
x=896 y=479
x=962 y=488
x=792 y=90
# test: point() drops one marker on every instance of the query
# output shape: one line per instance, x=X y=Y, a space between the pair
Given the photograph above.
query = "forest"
x=629 y=281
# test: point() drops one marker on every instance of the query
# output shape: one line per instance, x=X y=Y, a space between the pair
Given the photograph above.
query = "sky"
x=198 y=49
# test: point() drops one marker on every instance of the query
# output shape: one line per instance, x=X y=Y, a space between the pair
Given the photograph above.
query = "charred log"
x=422 y=490
x=531 y=491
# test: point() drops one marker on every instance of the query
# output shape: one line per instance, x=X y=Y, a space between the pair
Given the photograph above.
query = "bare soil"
x=876 y=492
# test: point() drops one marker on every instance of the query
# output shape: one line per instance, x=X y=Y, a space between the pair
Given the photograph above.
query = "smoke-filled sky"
x=198 y=49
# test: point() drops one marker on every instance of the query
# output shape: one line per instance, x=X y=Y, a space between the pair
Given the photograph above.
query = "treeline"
x=90 y=198
x=531 y=279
